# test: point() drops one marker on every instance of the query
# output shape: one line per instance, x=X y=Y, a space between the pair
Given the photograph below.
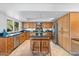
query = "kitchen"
x=34 y=31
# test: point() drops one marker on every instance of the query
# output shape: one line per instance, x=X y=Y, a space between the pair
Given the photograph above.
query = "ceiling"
x=37 y=11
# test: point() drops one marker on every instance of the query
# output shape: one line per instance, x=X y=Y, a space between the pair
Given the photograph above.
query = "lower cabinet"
x=9 y=45
x=6 y=45
x=23 y=37
x=16 y=41
x=2 y=46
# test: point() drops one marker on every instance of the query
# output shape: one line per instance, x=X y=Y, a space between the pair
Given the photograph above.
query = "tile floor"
x=24 y=50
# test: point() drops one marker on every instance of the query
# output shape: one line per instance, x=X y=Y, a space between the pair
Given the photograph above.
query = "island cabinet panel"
x=49 y=34
x=45 y=48
x=40 y=45
x=68 y=32
x=35 y=46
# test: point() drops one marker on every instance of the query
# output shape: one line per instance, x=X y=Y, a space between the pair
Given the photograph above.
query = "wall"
x=3 y=22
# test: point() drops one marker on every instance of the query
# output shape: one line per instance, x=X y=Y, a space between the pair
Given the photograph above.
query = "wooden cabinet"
x=49 y=34
x=47 y=24
x=23 y=37
x=6 y=45
x=64 y=32
x=26 y=25
x=67 y=30
x=16 y=41
x=35 y=45
x=74 y=24
x=28 y=35
x=2 y=46
x=60 y=31
x=9 y=44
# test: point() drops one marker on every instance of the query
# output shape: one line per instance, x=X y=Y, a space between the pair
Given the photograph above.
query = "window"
x=9 y=25
x=16 y=26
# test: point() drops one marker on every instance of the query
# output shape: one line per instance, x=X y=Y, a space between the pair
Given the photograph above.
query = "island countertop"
x=39 y=37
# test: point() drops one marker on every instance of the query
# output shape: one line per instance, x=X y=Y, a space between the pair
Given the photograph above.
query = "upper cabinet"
x=26 y=25
x=47 y=24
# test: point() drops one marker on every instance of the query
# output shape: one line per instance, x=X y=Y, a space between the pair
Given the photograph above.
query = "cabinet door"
x=60 y=33
x=49 y=35
x=45 y=47
x=29 y=25
x=25 y=36
x=35 y=46
x=21 y=37
x=60 y=39
x=74 y=16
x=2 y=46
x=66 y=24
x=64 y=32
x=66 y=39
x=9 y=44
x=16 y=41
x=47 y=24
x=28 y=35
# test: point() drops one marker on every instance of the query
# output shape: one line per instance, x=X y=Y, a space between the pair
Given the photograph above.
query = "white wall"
x=3 y=22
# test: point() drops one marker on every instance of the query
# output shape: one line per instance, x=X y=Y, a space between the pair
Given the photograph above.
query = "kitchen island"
x=40 y=45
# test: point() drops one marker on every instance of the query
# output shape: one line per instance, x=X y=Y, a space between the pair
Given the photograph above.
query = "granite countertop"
x=39 y=37
x=13 y=34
